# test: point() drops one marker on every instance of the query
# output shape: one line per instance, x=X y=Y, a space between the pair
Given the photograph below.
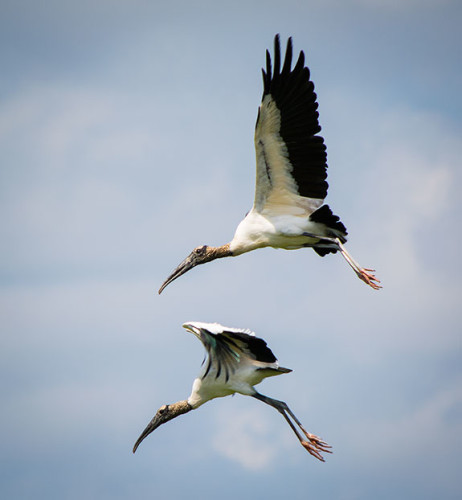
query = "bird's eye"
x=201 y=250
x=163 y=409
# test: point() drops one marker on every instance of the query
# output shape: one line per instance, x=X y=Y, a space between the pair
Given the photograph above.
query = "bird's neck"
x=218 y=252
x=179 y=408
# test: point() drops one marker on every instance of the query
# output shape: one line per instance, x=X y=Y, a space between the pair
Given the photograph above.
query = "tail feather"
x=324 y=215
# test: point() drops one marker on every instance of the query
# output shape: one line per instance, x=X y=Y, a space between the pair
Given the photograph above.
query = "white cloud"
x=432 y=430
x=245 y=437
x=414 y=194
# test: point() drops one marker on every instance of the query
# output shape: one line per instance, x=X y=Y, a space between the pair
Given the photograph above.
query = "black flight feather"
x=293 y=93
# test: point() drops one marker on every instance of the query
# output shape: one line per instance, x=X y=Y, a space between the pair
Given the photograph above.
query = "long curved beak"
x=152 y=426
x=184 y=267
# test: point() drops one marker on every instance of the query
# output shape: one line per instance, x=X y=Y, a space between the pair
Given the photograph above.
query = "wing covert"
x=227 y=349
x=291 y=158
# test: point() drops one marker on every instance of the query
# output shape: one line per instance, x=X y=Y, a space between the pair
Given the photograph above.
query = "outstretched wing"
x=291 y=158
x=248 y=345
x=227 y=348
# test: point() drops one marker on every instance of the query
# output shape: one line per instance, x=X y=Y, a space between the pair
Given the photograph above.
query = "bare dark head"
x=200 y=255
x=164 y=414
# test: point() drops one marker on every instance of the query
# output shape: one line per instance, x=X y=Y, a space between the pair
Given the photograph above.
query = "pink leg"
x=315 y=446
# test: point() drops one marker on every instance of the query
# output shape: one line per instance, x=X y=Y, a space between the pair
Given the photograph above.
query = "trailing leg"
x=363 y=274
x=315 y=446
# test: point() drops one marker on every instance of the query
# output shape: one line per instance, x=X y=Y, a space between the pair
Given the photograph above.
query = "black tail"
x=325 y=216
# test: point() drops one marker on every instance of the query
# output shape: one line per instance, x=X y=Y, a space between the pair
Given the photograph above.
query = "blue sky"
x=126 y=139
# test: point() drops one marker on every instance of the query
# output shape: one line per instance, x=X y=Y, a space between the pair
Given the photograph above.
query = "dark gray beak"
x=151 y=427
x=184 y=267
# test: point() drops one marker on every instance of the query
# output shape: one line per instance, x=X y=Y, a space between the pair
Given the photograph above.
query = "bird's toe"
x=315 y=446
x=312 y=450
x=369 y=278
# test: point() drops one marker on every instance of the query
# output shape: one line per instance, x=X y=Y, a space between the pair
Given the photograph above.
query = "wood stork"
x=236 y=361
x=288 y=210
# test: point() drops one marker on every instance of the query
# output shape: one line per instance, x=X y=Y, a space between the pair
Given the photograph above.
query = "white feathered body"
x=232 y=363
x=275 y=229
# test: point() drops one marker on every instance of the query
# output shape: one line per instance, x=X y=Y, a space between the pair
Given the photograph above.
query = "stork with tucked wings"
x=236 y=361
x=288 y=210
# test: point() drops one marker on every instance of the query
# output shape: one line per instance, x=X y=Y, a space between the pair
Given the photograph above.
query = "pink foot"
x=315 y=446
x=368 y=278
